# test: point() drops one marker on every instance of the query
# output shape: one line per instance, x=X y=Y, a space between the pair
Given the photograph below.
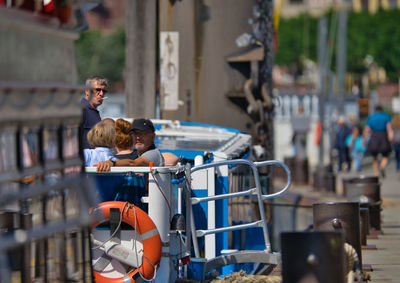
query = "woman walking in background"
x=380 y=132
x=355 y=143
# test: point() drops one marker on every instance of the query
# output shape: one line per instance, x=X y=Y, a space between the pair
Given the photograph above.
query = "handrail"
x=201 y=233
x=289 y=176
x=196 y=200
x=256 y=190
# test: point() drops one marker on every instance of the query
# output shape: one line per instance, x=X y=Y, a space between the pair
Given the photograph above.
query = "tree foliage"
x=367 y=34
x=101 y=54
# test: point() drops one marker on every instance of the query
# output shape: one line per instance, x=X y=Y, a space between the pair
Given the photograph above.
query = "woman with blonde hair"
x=102 y=138
x=124 y=142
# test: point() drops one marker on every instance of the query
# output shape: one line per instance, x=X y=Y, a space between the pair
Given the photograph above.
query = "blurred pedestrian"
x=97 y=88
x=300 y=125
x=342 y=132
x=380 y=136
x=396 y=140
x=356 y=146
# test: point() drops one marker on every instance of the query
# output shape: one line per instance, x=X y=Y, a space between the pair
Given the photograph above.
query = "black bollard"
x=364 y=228
x=344 y=216
x=313 y=257
x=368 y=193
x=358 y=180
x=324 y=179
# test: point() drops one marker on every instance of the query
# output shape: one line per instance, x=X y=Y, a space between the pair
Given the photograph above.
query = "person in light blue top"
x=356 y=145
x=102 y=138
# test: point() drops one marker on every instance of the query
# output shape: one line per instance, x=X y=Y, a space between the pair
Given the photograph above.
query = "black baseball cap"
x=142 y=124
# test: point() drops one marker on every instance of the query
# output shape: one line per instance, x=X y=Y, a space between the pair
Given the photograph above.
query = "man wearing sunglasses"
x=97 y=88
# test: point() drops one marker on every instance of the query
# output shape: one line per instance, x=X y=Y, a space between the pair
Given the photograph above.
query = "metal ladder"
x=265 y=256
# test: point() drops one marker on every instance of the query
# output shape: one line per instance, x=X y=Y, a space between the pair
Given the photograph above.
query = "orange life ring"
x=150 y=237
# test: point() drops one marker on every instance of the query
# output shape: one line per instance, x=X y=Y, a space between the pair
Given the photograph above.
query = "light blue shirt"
x=94 y=156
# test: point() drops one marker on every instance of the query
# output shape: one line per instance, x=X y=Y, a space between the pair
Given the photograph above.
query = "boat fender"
x=150 y=237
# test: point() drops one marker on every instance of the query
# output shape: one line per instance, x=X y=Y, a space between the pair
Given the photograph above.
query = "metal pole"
x=140 y=81
x=322 y=63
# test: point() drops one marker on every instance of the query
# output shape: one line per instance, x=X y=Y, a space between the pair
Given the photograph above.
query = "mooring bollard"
x=313 y=257
x=324 y=179
x=333 y=216
x=370 y=194
x=364 y=228
x=358 y=180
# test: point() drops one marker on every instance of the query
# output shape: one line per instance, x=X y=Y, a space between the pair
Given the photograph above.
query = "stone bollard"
x=332 y=216
x=313 y=257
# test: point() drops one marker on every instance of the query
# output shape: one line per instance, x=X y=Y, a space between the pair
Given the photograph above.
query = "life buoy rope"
x=148 y=232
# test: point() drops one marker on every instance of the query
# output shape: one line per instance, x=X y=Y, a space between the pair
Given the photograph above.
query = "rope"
x=352 y=262
x=241 y=276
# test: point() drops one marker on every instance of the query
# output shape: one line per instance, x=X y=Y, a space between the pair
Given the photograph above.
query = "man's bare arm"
x=104 y=166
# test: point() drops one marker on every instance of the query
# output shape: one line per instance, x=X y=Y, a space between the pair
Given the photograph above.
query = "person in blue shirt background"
x=342 y=131
x=379 y=133
x=356 y=145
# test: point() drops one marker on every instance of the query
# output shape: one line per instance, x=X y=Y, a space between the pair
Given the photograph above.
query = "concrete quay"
x=384 y=260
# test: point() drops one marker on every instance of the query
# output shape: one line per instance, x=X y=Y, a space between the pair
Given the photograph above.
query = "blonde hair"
x=396 y=122
x=124 y=138
x=102 y=134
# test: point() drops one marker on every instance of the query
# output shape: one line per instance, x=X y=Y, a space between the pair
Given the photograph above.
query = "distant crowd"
x=380 y=136
x=352 y=142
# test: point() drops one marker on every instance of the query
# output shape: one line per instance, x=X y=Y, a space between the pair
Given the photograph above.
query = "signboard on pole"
x=169 y=70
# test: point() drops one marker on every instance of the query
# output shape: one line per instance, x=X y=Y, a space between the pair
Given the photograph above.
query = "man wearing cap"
x=143 y=134
x=94 y=95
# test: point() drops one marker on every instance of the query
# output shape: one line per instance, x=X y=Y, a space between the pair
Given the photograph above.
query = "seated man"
x=143 y=134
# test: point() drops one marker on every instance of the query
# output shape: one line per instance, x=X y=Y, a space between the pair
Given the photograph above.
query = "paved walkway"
x=385 y=259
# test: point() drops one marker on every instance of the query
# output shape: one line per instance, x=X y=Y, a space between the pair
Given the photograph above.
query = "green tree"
x=367 y=34
x=101 y=54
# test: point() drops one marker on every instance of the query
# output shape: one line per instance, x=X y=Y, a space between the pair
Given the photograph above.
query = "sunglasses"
x=98 y=90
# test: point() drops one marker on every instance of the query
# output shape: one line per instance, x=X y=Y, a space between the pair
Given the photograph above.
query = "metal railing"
x=254 y=191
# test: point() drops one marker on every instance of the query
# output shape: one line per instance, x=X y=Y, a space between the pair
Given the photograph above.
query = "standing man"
x=97 y=88
x=143 y=134
x=342 y=132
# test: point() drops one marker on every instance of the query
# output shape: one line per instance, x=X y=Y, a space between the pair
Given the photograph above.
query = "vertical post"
x=140 y=81
x=160 y=212
x=322 y=64
x=341 y=59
